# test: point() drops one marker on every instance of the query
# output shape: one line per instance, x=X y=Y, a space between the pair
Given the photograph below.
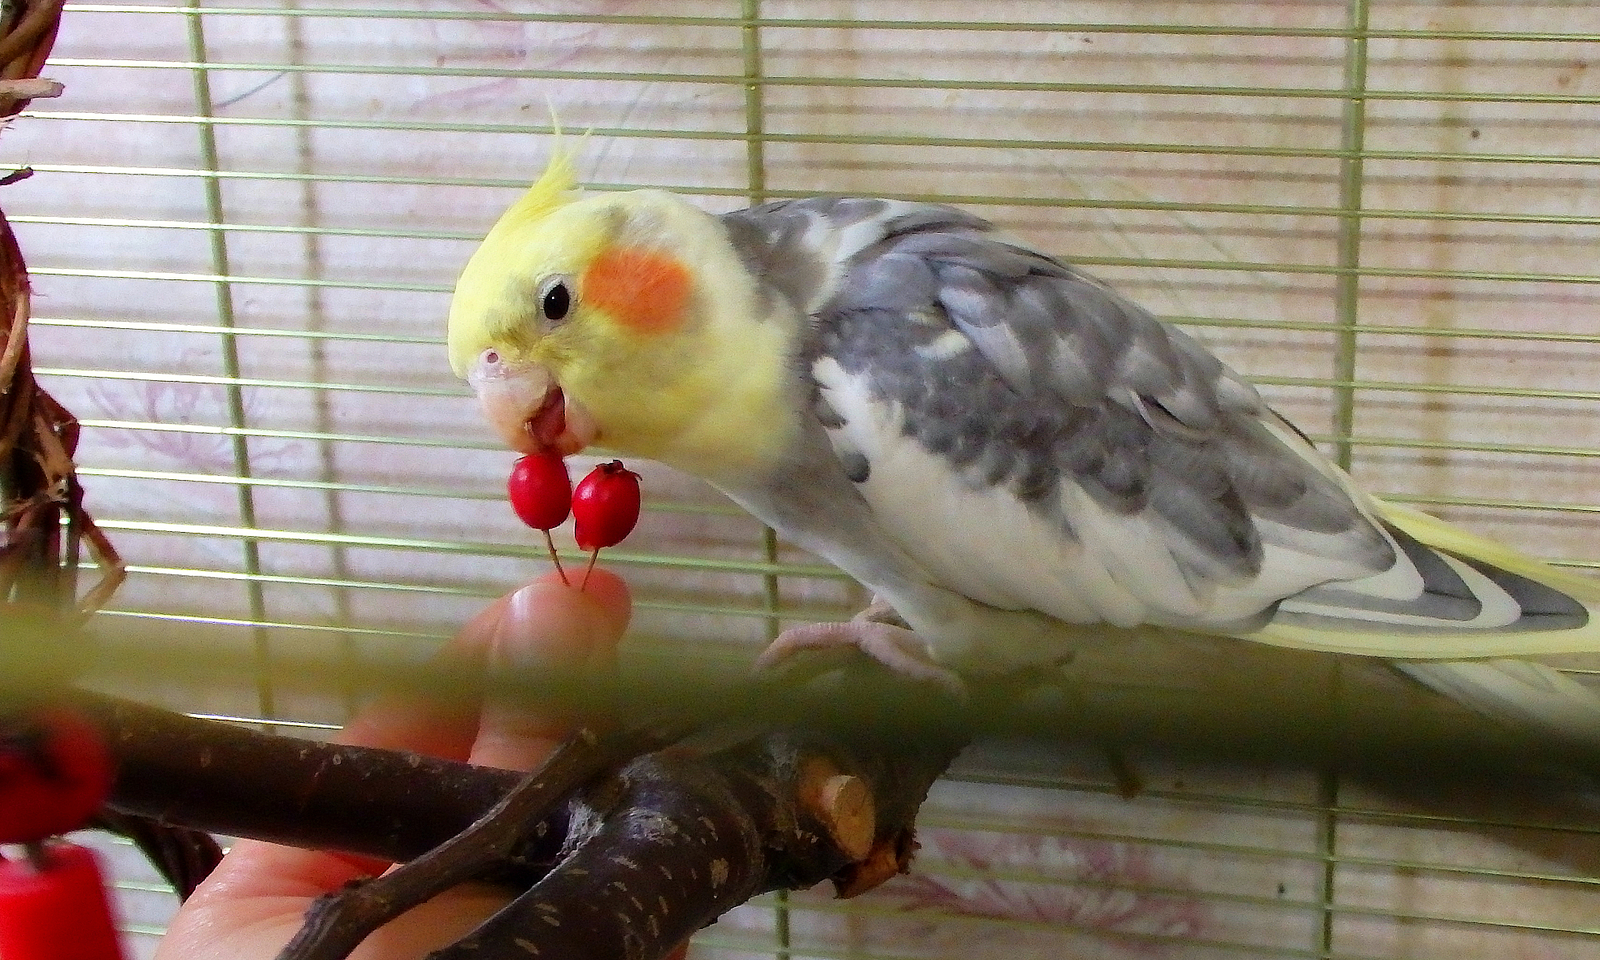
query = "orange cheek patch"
x=646 y=292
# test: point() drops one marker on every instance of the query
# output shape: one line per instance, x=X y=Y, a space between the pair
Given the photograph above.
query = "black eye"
x=556 y=300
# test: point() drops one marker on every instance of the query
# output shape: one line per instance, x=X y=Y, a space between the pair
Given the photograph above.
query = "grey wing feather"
x=1103 y=394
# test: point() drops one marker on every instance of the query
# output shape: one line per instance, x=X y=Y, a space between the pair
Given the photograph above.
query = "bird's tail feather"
x=1477 y=599
x=1524 y=693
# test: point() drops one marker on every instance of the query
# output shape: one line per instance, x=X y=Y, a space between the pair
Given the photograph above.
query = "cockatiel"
x=1014 y=457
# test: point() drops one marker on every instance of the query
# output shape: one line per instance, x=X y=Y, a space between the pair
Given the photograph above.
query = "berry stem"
x=550 y=544
x=593 y=556
x=36 y=855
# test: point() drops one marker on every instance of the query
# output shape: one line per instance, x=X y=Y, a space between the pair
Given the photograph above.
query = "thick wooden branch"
x=679 y=837
x=220 y=778
x=628 y=858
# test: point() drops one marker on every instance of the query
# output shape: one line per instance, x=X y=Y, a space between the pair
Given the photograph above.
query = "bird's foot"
x=893 y=645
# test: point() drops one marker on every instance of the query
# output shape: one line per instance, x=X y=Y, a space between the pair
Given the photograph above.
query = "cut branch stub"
x=844 y=805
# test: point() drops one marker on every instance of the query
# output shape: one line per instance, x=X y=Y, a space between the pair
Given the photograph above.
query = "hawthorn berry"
x=540 y=491
x=605 y=506
x=53 y=906
x=55 y=772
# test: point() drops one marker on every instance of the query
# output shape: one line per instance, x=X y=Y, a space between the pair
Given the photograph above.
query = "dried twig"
x=38 y=480
x=28 y=40
x=31 y=88
x=38 y=484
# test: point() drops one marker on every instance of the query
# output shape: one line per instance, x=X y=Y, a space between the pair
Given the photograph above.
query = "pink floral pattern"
x=1090 y=885
x=502 y=44
x=161 y=402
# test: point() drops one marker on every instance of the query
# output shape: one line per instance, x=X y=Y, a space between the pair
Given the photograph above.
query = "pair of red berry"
x=604 y=506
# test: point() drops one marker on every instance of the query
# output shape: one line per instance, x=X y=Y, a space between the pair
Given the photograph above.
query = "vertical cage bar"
x=310 y=211
x=755 y=155
x=1347 y=306
x=756 y=181
x=228 y=345
x=755 y=159
x=1347 y=289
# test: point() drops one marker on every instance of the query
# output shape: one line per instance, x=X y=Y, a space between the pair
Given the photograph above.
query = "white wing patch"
x=1298 y=558
x=835 y=245
x=945 y=346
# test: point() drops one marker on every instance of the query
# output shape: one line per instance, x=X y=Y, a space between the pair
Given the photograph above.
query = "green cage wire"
x=246 y=219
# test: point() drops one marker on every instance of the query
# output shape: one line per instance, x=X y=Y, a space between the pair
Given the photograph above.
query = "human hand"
x=256 y=899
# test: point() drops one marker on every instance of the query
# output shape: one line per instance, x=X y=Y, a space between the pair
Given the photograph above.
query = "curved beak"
x=526 y=406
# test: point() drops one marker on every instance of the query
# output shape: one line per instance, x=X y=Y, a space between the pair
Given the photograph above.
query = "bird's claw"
x=896 y=647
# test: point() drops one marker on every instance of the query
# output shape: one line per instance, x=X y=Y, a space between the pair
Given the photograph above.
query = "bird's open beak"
x=526 y=406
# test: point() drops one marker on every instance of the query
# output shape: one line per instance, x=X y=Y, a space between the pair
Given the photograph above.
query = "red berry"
x=605 y=506
x=540 y=490
x=55 y=908
x=55 y=772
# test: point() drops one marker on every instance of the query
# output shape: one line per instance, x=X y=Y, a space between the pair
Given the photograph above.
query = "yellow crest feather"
x=552 y=190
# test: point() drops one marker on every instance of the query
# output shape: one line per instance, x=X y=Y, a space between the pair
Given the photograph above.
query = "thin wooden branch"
x=184 y=857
